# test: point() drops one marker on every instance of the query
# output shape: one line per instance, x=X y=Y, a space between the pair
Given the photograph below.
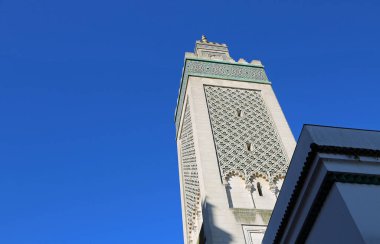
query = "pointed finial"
x=204 y=39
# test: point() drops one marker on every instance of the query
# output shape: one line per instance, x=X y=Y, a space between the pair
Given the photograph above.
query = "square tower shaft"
x=234 y=146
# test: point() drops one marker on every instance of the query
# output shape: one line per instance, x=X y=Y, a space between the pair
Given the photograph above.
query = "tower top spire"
x=204 y=38
x=211 y=50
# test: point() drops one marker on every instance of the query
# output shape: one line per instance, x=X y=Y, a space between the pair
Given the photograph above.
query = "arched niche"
x=238 y=194
x=263 y=196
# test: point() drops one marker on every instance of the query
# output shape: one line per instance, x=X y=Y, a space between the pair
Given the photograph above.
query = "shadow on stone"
x=213 y=234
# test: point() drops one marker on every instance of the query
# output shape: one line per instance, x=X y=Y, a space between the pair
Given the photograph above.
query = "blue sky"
x=88 y=91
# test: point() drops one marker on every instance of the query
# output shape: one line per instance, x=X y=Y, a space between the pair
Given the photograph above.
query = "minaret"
x=234 y=146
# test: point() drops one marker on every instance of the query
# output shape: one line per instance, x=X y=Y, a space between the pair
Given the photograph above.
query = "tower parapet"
x=211 y=50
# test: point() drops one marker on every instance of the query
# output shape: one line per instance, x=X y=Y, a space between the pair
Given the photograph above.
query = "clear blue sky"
x=88 y=91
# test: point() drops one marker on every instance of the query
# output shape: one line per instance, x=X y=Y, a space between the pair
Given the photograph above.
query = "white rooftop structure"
x=331 y=193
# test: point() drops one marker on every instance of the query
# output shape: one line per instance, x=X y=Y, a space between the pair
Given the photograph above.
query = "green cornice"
x=216 y=69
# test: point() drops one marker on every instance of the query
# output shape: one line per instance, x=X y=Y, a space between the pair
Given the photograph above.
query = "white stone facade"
x=241 y=147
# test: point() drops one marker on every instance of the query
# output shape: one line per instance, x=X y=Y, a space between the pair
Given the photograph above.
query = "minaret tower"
x=234 y=146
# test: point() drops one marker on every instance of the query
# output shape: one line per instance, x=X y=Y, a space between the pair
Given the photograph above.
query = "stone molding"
x=252 y=216
x=252 y=229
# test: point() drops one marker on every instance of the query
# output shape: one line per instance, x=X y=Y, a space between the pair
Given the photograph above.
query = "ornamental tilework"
x=246 y=140
x=226 y=70
x=189 y=174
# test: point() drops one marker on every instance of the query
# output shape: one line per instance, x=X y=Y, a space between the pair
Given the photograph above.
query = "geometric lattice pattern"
x=246 y=140
x=190 y=174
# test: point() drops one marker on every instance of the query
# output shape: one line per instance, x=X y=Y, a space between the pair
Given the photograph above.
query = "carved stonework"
x=189 y=174
x=246 y=140
x=226 y=70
